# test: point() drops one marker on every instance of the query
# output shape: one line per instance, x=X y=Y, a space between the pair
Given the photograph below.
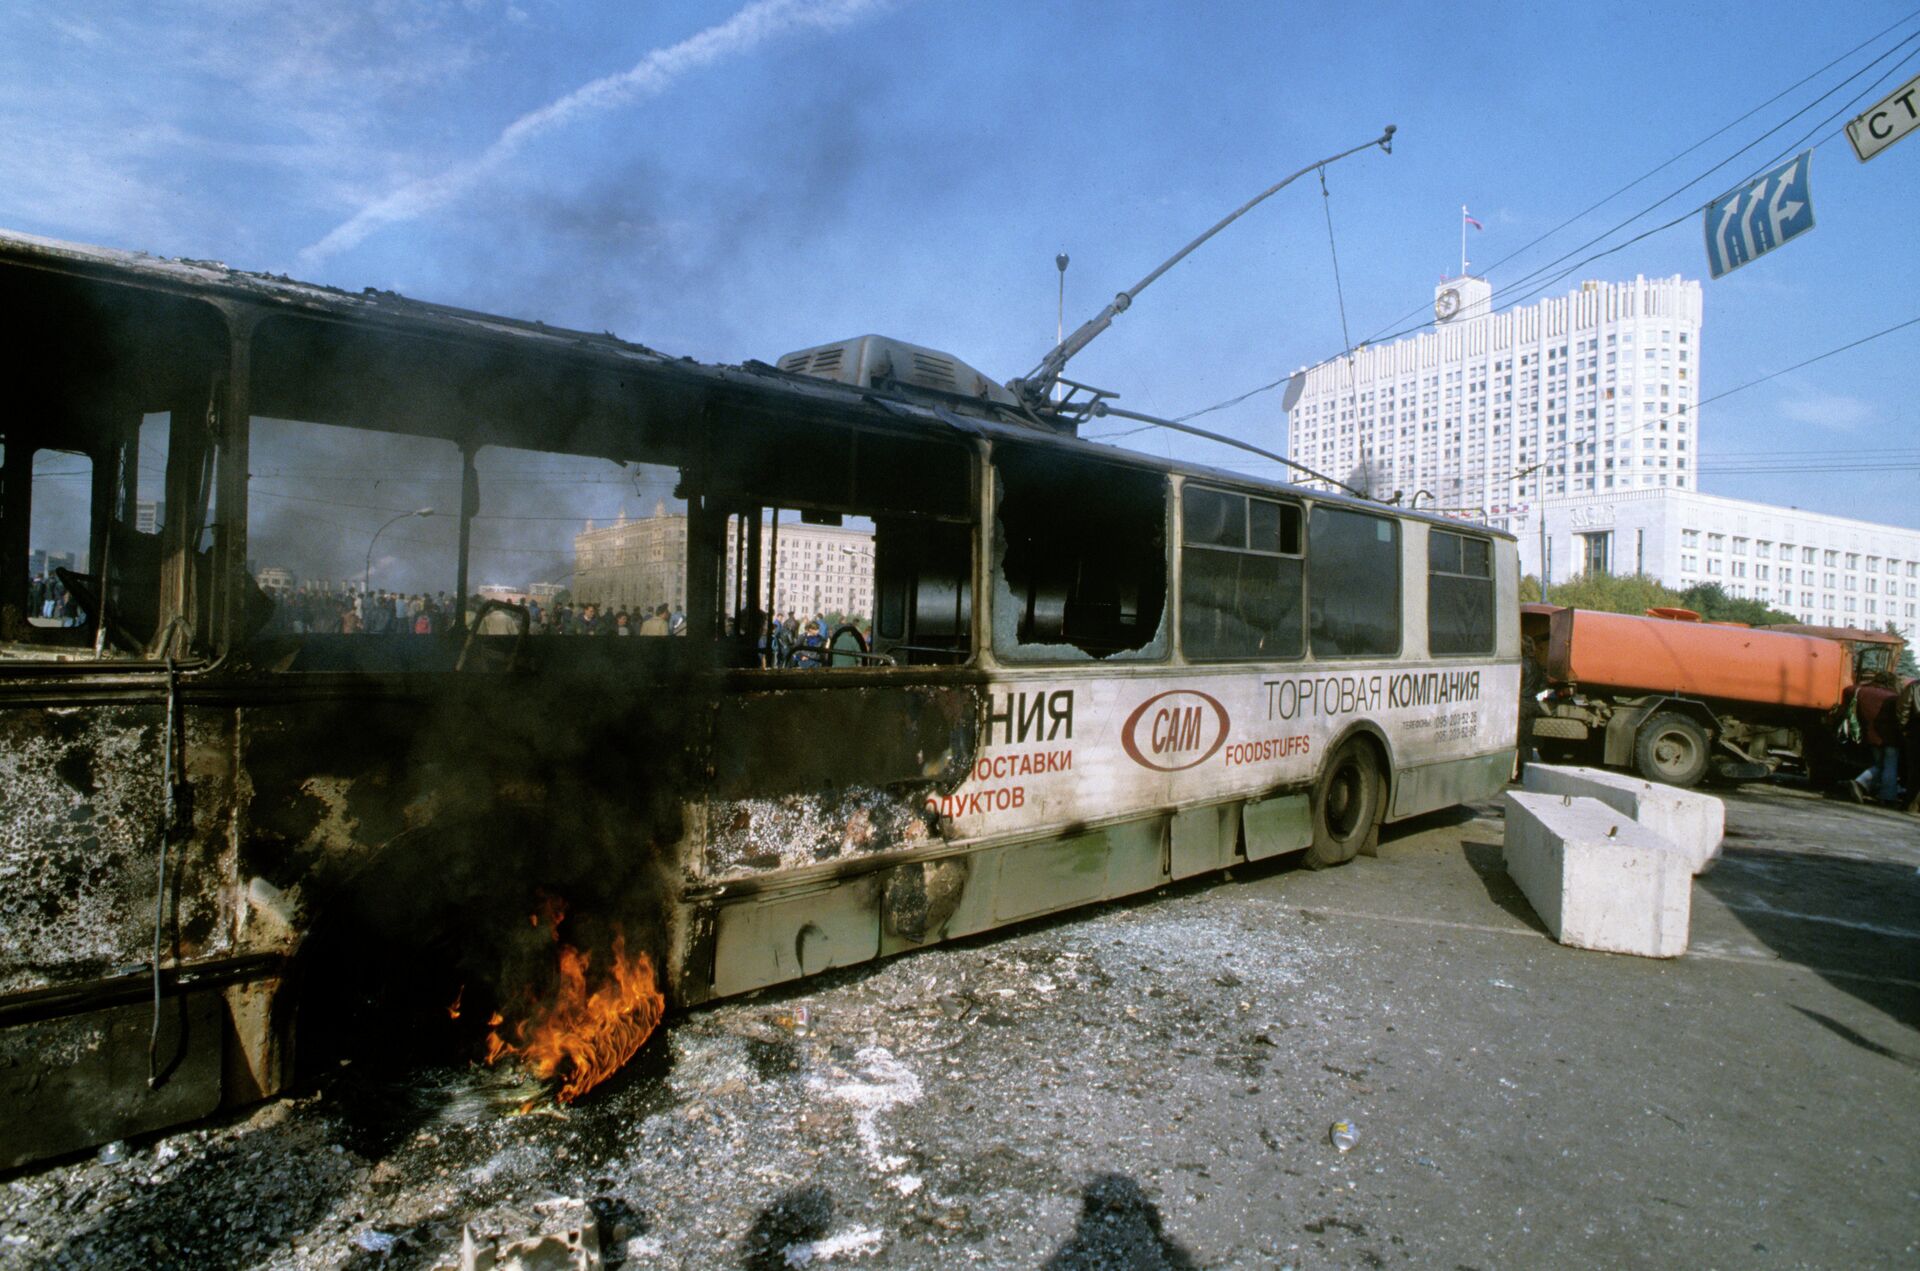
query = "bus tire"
x=1673 y=749
x=1347 y=806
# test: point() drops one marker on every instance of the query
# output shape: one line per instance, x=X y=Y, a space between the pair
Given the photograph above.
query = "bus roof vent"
x=873 y=361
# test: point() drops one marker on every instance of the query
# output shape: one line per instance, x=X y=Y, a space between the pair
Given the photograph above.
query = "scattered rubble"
x=1147 y=1084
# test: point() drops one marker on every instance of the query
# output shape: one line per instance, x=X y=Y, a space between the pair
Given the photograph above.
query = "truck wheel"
x=1671 y=748
x=1346 y=806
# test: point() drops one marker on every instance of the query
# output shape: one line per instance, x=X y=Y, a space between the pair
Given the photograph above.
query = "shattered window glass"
x=60 y=538
x=1081 y=555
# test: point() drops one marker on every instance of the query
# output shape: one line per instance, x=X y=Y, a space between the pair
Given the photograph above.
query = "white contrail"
x=651 y=75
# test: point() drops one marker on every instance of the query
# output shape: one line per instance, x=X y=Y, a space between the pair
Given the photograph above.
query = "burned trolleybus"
x=230 y=785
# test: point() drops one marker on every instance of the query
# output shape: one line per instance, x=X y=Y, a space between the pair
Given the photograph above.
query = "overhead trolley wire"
x=1537 y=273
x=1818 y=357
x=1657 y=169
x=1389 y=333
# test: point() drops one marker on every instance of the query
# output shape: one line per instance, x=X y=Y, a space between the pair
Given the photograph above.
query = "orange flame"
x=453 y=1007
x=585 y=1036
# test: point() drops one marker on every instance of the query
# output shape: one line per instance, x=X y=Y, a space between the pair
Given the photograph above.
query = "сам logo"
x=1175 y=730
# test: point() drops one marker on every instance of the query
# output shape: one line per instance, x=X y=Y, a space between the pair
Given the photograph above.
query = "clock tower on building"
x=1464 y=297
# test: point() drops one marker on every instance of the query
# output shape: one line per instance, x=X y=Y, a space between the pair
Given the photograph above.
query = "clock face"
x=1446 y=304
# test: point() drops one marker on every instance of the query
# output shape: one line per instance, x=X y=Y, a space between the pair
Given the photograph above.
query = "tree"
x=1715 y=605
x=1610 y=593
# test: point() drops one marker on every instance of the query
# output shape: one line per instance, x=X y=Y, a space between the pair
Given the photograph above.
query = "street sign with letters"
x=1757 y=217
x=1893 y=118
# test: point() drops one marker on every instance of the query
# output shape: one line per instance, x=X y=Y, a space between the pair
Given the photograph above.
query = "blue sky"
x=735 y=180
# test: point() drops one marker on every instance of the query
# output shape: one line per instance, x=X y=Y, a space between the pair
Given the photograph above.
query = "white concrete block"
x=1693 y=822
x=1598 y=878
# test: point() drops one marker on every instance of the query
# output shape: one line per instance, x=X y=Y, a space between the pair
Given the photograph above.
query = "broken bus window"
x=1082 y=552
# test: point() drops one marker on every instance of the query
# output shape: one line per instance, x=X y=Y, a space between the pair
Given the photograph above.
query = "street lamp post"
x=1539 y=511
x=1060 y=322
x=366 y=577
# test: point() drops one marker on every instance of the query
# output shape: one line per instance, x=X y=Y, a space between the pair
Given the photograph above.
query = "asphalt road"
x=1152 y=1084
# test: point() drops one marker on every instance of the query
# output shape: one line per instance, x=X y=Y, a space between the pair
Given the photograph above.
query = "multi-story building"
x=1571 y=422
x=1822 y=569
x=638 y=564
x=1490 y=412
x=41 y=563
x=276 y=580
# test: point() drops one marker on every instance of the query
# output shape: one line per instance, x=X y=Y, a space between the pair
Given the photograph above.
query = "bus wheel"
x=1671 y=748
x=1346 y=806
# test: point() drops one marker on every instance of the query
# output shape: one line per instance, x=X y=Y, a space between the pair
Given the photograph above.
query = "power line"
x=1536 y=274
x=1550 y=282
x=1645 y=176
x=1818 y=357
x=392 y=511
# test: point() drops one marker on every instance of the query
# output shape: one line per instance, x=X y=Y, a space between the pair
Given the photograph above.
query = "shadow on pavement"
x=1859 y=1039
x=1489 y=864
x=796 y=1218
x=1440 y=819
x=1856 y=923
x=1118 y=1227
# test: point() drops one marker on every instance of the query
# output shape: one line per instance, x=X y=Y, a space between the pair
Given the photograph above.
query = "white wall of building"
x=1488 y=413
x=1822 y=569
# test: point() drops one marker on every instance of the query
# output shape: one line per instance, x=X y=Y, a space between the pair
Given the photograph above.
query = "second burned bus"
x=1091 y=672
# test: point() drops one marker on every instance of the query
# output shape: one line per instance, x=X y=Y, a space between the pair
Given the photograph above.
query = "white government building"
x=637 y=564
x=1490 y=412
x=1829 y=570
x=1570 y=422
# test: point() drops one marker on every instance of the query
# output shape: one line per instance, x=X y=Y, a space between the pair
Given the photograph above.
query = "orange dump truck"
x=1673 y=697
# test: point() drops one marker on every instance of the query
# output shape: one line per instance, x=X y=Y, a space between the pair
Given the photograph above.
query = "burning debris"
x=579 y=1034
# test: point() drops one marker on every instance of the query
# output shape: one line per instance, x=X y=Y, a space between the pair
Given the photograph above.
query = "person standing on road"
x=1876 y=705
x=1533 y=682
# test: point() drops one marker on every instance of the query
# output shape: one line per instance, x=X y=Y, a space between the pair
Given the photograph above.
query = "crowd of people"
x=790 y=639
x=49 y=600
x=793 y=641
x=305 y=611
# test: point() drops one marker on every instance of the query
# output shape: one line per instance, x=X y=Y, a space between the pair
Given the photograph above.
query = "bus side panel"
x=81 y=803
x=77 y=1080
x=1448 y=784
x=1061 y=752
x=769 y=941
x=1203 y=839
x=1281 y=824
x=800 y=777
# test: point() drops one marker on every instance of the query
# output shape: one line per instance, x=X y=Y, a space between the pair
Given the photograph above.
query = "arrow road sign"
x=1881 y=125
x=1759 y=216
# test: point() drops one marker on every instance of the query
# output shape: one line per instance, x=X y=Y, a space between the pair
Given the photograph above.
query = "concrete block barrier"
x=1693 y=822
x=1598 y=878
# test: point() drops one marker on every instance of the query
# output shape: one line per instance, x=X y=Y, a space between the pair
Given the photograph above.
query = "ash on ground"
x=1152 y=1085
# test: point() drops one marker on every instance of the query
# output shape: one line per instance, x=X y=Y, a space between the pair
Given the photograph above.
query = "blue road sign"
x=1759 y=216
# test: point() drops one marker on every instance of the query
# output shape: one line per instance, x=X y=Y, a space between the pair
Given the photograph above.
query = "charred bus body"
x=1091 y=672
